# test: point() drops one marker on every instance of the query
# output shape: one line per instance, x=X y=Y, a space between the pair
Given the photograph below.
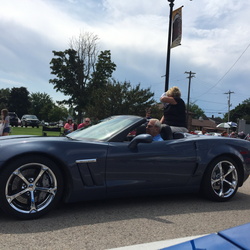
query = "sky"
x=215 y=45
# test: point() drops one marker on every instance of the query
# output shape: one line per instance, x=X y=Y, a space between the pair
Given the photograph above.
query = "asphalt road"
x=123 y=222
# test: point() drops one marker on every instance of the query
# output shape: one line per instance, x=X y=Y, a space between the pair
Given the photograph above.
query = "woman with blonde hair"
x=5 y=122
x=174 y=110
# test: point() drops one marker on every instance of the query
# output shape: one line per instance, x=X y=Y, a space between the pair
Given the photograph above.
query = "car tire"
x=30 y=187
x=221 y=179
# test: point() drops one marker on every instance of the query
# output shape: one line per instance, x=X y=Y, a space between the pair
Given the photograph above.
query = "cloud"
x=214 y=44
x=9 y=82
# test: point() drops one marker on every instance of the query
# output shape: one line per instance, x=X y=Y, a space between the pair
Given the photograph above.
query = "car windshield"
x=31 y=117
x=105 y=129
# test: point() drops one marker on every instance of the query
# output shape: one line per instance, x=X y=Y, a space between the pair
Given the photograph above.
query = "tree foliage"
x=79 y=71
x=196 y=111
x=45 y=109
x=19 y=101
x=57 y=113
x=242 y=111
x=15 y=100
x=4 y=98
x=41 y=105
x=104 y=69
x=119 y=99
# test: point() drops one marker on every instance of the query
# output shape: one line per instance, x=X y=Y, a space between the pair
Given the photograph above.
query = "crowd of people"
x=70 y=126
x=226 y=133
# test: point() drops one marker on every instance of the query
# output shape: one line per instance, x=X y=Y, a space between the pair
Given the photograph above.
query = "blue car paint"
x=167 y=166
x=233 y=238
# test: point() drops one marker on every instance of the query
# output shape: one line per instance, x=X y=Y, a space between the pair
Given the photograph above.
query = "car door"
x=156 y=165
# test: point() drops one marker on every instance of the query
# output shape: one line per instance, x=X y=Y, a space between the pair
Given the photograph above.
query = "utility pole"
x=229 y=103
x=191 y=75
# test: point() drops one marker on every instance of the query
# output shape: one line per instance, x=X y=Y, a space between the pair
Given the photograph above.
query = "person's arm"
x=66 y=126
x=162 y=120
x=6 y=120
x=168 y=99
x=3 y=121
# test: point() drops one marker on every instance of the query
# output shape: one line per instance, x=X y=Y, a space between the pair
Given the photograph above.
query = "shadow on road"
x=90 y=213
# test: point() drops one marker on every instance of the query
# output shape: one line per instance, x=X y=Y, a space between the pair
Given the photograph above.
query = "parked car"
x=30 y=120
x=13 y=119
x=101 y=161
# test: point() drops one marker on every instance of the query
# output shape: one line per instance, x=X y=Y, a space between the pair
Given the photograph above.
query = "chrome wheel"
x=224 y=179
x=221 y=179
x=30 y=187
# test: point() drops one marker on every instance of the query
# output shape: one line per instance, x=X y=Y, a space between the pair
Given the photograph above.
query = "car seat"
x=141 y=129
x=178 y=135
x=166 y=132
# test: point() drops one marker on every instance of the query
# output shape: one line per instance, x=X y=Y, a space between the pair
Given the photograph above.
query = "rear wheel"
x=221 y=179
x=30 y=187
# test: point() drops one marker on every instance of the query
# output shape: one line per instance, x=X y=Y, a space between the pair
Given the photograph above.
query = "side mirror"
x=143 y=138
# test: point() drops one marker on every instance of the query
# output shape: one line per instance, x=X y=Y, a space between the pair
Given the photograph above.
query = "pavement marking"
x=158 y=244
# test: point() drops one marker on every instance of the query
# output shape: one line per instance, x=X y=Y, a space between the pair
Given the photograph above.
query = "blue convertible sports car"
x=106 y=160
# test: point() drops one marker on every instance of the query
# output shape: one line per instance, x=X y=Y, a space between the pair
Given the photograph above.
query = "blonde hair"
x=174 y=92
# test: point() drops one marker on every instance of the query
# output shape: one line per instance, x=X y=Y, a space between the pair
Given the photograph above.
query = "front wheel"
x=30 y=187
x=221 y=179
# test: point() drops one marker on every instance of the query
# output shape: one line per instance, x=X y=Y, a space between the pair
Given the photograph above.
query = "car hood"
x=12 y=137
x=15 y=139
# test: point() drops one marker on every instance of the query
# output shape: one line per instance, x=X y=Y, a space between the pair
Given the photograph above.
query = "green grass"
x=31 y=131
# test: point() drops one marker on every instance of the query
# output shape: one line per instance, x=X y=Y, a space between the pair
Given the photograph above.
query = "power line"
x=227 y=71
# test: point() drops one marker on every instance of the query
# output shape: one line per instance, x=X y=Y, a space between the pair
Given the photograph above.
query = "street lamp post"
x=171 y=4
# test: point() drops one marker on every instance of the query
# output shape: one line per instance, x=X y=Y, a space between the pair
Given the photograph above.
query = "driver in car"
x=153 y=128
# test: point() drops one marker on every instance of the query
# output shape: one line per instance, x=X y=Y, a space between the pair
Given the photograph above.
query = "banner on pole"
x=177 y=27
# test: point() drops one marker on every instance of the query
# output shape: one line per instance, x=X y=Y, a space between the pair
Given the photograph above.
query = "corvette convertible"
x=112 y=159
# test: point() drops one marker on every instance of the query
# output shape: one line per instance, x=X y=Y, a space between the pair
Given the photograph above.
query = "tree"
x=57 y=113
x=156 y=110
x=4 y=98
x=41 y=105
x=104 y=69
x=242 y=111
x=120 y=99
x=75 y=69
x=100 y=77
x=19 y=101
x=196 y=111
